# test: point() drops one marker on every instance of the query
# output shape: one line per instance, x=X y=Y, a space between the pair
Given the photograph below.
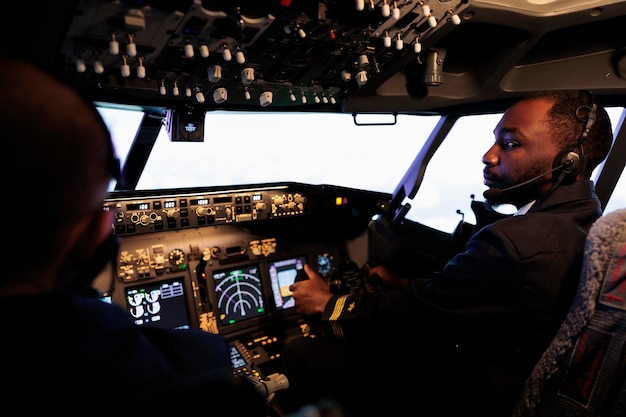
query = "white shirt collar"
x=524 y=209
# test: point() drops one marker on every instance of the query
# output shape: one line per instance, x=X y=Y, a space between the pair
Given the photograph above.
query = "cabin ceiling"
x=424 y=57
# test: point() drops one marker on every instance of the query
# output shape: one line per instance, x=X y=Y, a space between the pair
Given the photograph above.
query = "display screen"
x=199 y=201
x=236 y=358
x=239 y=294
x=160 y=304
x=282 y=275
x=138 y=206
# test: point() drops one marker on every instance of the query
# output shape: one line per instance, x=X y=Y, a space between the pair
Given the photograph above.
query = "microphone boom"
x=496 y=192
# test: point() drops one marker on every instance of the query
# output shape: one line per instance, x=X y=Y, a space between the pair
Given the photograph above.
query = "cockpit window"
x=249 y=148
x=454 y=175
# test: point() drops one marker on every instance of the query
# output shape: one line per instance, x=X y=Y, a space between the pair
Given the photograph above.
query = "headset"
x=572 y=162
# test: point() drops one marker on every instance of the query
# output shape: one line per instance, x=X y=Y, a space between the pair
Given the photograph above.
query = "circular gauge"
x=324 y=264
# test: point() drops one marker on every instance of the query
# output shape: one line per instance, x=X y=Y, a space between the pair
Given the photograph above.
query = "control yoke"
x=383 y=239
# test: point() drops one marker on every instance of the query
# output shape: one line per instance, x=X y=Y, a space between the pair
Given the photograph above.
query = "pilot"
x=463 y=341
x=63 y=348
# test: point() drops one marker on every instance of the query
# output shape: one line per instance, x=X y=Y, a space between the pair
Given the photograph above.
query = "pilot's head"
x=58 y=164
x=541 y=132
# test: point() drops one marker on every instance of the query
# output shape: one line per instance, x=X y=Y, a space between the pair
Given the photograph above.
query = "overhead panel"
x=248 y=53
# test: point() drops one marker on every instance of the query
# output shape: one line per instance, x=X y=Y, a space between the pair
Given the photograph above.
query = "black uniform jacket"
x=81 y=356
x=478 y=327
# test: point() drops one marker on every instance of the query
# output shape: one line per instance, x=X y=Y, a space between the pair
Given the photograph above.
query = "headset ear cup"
x=571 y=162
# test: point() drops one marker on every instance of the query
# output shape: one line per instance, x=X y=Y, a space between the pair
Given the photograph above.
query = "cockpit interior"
x=227 y=83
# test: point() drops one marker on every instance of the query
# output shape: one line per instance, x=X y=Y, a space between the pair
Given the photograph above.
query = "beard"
x=523 y=194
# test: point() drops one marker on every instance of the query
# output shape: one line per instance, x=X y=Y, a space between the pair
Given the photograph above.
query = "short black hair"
x=568 y=116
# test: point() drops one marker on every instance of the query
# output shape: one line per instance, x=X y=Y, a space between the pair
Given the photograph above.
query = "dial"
x=177 y=257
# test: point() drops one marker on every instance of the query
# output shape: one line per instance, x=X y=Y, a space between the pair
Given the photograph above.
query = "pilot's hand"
x=311 y=295
x=381 y=278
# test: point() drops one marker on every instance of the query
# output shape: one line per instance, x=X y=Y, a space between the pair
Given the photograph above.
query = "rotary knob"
x=177 y=257
x=203 y=211
x=144 y=220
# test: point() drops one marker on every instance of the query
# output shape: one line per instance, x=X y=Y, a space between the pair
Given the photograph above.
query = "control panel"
x=198 y=259
x=145 y=214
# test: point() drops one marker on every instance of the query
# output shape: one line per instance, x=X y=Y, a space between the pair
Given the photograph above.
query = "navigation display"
x=282 y=275
x=239 y=294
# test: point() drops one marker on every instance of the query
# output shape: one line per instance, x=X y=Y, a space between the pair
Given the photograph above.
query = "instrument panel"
x=222 y=260
x=228 y=279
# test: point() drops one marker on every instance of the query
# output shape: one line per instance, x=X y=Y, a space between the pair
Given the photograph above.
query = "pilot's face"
x=523 y=149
